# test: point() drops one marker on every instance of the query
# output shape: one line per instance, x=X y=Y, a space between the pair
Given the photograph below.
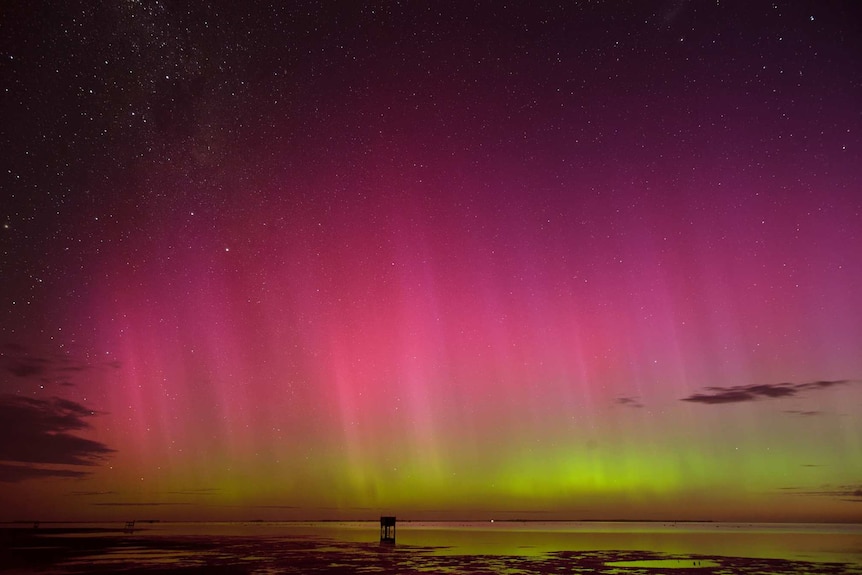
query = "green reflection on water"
x=665 y=563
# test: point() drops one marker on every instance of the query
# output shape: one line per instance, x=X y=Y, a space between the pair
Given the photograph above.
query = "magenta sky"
x=591 y=262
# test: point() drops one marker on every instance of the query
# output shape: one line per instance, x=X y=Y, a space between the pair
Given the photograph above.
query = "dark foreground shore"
x=59 y=551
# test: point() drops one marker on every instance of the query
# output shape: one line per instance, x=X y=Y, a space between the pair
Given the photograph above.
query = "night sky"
x=589 y=260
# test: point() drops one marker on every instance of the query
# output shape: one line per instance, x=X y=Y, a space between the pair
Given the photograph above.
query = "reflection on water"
x=807 y=542
x=141 y=555
x=501 y=547
x=665 y=563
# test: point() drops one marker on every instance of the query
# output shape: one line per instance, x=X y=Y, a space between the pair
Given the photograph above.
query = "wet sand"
x=59 y=550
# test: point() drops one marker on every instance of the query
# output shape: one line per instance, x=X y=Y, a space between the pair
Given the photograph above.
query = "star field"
x=596 y=260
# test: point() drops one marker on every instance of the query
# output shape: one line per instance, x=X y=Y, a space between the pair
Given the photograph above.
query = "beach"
x=504 y=547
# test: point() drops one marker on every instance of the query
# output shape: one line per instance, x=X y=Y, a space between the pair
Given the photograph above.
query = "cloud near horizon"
x=852 y=493
x=198 y=491
x=629 y=402
x=140 y=504
x=92 y=493
x=37 y=433
x=755 y=392
x=18 y=473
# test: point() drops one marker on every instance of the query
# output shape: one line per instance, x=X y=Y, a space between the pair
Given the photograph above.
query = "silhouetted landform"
x=25 y=551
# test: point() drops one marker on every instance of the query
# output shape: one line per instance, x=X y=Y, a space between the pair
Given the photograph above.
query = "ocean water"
x=442 y=547
x=794 y=541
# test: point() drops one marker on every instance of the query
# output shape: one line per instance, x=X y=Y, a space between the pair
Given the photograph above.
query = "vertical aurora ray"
x=411 y=363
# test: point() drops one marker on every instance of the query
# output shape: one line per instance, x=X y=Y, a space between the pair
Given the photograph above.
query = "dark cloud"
x=73 y=368
x=201 y=491
x=740 y=393
x=17 y=473
x=847 y=493
x=22 y=363
x=20 y=368
x=91 y=493
x=854 y=491
x=37 y=432
x=851 y=493
x=803 y=412
x=629 y=402
x=823 y=383
x=138 y=504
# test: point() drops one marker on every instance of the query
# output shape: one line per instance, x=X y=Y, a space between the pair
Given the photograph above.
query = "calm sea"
x=448 y=543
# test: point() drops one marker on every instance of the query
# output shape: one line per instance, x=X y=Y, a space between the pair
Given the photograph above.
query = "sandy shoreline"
x=67 y=550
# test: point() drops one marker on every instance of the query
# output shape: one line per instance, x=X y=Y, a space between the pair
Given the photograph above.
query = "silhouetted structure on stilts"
x=387 y=530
